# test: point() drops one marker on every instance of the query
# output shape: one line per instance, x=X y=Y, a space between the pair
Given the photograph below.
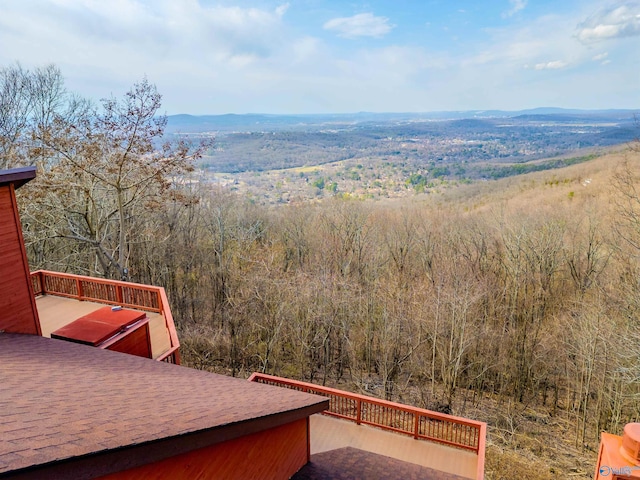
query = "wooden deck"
x=329 y=433
x=56 y=312
x=443 y=443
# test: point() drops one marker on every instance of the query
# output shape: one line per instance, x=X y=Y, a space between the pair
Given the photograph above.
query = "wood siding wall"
x=277 y=453
x=18 y=313
x=137 y=341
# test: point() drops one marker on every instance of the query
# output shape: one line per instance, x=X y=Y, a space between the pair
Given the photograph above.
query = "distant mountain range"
x=184 y=123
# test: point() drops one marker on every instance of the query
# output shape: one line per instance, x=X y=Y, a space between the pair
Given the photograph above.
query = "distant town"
x=273 y=159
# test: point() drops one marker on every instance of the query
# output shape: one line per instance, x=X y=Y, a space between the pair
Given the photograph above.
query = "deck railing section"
x=418 y=422
x=111 y=292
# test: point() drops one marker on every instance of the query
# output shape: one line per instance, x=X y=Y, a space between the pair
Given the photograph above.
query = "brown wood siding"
x=18 y=312
x=136 y=342
x=277 y=453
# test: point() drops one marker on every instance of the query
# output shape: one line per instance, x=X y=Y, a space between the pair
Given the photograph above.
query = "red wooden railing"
x=111 y=292
x=396 y=417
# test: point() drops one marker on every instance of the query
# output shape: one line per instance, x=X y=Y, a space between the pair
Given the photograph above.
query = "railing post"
x=358 y=411
x=80 y=290
x=119 y=293
x=480 y=450
x=37 y=283
x=416 y=426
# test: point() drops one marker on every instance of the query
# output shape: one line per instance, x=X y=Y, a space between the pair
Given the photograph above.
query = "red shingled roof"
x=82 y=409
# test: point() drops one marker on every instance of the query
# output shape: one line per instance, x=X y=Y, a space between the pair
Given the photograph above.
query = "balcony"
x=448 y=446
x=62 y=298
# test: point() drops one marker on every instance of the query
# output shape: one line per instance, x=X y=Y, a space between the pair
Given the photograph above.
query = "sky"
x=336 y=56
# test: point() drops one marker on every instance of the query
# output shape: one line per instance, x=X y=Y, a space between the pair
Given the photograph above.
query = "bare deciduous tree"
x=109 y=170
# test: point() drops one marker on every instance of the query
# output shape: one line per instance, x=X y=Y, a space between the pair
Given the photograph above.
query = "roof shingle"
x=60 y=401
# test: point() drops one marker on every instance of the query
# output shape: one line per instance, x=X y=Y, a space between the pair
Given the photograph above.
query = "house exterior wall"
x=276 y=453
x=18 y=313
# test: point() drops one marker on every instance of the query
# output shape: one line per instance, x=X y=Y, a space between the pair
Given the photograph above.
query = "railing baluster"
x=426 y=425
x=142 y=297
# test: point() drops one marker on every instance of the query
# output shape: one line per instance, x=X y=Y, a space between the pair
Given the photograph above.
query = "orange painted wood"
x=98 y=326
x=126 y=294
x=277 y=453
x=308 y=439
x=450 y=430
x=173 y=355
x=482 y=445
x=614 y=461
x=18 y=312
x=138 y=296
x=611 y=463
x=135 y=341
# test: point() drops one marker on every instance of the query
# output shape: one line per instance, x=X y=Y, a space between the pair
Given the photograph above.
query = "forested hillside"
x=513 y=301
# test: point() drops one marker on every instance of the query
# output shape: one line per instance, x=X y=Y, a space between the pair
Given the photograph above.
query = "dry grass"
x=532 y=444
x=570 y=186
x=503 y=464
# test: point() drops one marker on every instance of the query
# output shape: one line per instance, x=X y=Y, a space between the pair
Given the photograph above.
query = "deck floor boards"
x=329 y=433
x=56 y=312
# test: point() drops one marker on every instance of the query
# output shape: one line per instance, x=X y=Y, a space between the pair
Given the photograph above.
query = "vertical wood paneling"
x=18 y=313
x=276 y=453
x=136 y=342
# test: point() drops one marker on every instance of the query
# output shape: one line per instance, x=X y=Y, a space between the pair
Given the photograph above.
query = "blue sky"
x=322 y=56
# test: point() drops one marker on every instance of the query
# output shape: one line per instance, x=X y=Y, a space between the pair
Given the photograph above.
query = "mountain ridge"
x=258 y=122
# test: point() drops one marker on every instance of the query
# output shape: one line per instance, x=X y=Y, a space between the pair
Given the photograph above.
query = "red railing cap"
x=161 y=296
x=357 y=396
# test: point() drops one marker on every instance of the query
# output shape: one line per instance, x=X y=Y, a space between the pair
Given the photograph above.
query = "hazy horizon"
x=544 y=109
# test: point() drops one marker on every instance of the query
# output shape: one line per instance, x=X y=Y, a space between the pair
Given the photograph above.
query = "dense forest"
x=513 y=301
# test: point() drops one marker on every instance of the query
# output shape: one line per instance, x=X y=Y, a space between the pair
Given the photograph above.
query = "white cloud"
x=527 y=43
x=621 y=20
x=554 y=65
x=156 y=29
x=196 y=52
x=361 y=25
x=218 y=56
x=282 y=9
x=305 y=48
x=516 y=6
